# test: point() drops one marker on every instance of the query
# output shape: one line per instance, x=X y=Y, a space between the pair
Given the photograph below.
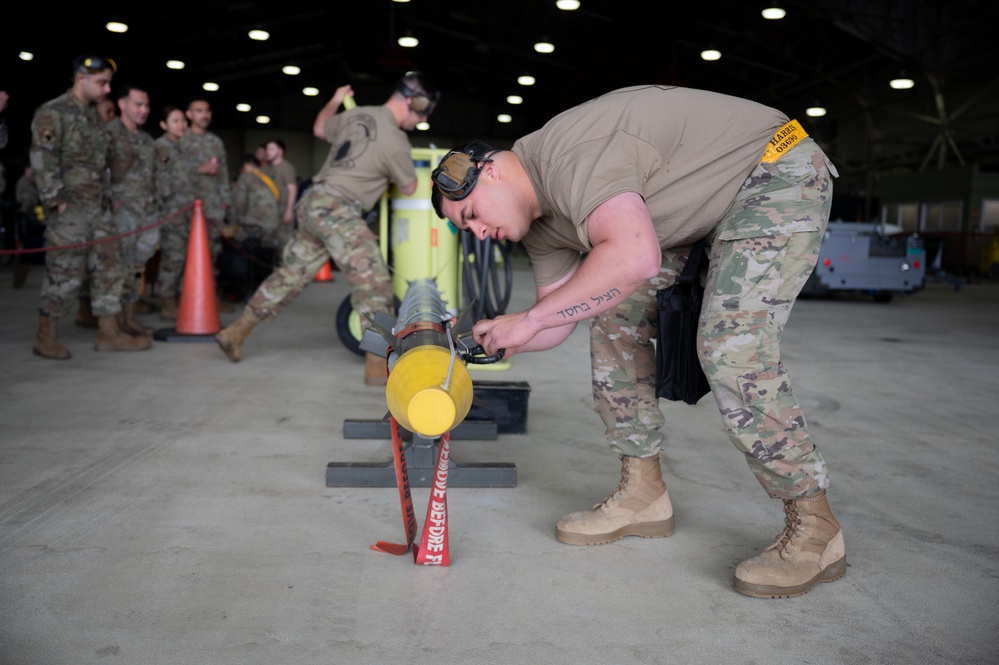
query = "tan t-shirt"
x=369 y=151
x=282 y=175
x=686 y=152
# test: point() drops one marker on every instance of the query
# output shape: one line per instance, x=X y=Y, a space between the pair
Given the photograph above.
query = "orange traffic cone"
x=325 y=273
x=198 y=314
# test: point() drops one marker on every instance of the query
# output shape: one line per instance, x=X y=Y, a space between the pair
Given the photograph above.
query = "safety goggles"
x=421 y=102
x=96 y=64
x=457 y=173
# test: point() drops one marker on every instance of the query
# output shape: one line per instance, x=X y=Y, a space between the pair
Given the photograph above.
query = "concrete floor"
x=170 y=507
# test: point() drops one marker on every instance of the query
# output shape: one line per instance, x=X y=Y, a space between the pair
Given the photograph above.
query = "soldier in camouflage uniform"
x=133 y=197
x=174 y=198
x=607 y=198
x=69 y=154
x=257 y=201
x=206 y=158
x=369 y=149
x=282 y=172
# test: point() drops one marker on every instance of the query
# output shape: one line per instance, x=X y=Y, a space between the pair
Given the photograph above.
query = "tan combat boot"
x=374 y=370
x=810 y=550
x=640 y=506
x=47 y=340
x=127 y=322
x=85 y=314
x=112 y=338
x=144 y=307
x=231 y=338
x=168 y=309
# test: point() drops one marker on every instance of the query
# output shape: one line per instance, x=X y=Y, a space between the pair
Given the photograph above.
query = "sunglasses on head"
x=97 y=64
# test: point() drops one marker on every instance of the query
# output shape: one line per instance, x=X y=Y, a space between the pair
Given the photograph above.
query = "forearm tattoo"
x=583 y=308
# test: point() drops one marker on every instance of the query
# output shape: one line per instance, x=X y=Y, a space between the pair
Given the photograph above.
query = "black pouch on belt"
x=679 y=376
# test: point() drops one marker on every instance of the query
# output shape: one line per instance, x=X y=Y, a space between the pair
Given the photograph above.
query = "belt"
x=784 y=139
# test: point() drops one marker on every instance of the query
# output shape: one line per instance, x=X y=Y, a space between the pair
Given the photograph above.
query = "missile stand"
x=433 y=270
x=429 y=394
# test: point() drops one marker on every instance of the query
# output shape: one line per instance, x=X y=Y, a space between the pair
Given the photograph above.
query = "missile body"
x=429 y=391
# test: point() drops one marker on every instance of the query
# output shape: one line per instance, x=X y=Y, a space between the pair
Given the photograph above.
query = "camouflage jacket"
x=213 y=190
x=26 y=194
x=254 y=202
x=174 y=190
x=133 y=168
x=69 y=153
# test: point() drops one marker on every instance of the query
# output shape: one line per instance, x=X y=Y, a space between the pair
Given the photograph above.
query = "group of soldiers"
x=110 y=196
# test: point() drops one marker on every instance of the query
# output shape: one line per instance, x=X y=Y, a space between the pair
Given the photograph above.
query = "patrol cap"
x=92 y=63
x=458 y=171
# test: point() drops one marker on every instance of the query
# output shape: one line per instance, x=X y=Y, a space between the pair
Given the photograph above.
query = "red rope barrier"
x=102 y=240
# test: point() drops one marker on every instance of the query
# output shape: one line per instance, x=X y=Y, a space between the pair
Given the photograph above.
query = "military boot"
x=374 y=370
x=168 y=309
x=810 y=550
x=127 y=322
x=112 y=338
x=640 y=506
x=143 y=306
x=231 y=338
x=47 y=339
x=85 y=314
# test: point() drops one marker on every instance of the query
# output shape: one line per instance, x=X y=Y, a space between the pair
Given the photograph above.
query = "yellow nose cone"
x=415 y=394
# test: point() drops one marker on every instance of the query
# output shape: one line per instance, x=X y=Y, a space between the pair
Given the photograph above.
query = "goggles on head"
x=457 y=173
x=95 y=64
x=420 y=101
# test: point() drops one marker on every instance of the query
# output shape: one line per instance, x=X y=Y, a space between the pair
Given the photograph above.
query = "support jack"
x=421 y=456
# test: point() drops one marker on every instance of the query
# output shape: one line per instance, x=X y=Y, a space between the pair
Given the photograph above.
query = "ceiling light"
x=423 y=125
x=175 y=64
x=310 y=91
x=408 y=41
x=116 y=26
x=815 y=111
x=567 y=5
x=243 y=107
x=514 y=99
x=504 y=117
x=901 y=82
x=773 y=13
x=291 y=70
x=25 y=55
x=544 y=47
x=710 y=54
x=259 y=35
x=526 y=79
x=210 y=86
x=263 y=119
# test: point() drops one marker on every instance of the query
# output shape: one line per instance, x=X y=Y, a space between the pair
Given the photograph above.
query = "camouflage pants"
x=761 y=255
x=329 y=226
x=174 y=236
x=136 y=248
x=66 y=269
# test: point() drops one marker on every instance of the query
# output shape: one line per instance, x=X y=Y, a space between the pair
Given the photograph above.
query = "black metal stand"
x=421 y=458
x=499 y=407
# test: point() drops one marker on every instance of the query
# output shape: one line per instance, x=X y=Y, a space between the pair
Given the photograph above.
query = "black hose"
x=484 y=289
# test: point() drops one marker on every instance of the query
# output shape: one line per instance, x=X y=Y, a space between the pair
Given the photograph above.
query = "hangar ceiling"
x=838 y=54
